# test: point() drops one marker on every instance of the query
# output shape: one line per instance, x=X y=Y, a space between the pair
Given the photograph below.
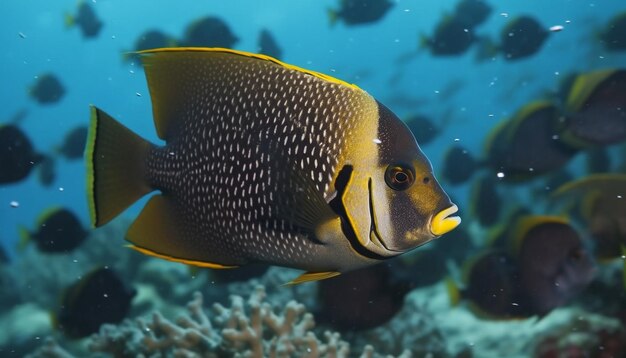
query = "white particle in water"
x=377 y=141
x=14 y=204
x=457 y=139
x=500 y=175
x=556 y=28
x=137 y=94
x=61 y=188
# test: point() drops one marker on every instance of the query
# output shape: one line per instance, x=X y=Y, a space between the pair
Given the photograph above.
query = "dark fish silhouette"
x=452 y=37
x=268 y=45
x=73 y=145
x=209 y=31
x=86 y=19
x=17 y=155
x=595 y=110
x=613 y=36
x=359 y=12
x=57 y=230
x=47 y=89
x=99 y=297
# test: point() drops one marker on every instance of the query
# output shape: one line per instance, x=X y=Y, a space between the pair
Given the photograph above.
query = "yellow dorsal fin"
x=312 y=276
x=584 y=85
x=529 y=222
x=175 y=75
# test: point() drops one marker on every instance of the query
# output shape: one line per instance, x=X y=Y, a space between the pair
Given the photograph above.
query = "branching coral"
x=245 y=329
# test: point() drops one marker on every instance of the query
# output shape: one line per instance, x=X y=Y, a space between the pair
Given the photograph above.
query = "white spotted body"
x=266 y=162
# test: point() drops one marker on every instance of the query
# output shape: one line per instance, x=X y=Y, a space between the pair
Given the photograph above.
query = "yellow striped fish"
x=264 y=162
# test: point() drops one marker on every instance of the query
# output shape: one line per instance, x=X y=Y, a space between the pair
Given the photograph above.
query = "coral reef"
x=245 y=329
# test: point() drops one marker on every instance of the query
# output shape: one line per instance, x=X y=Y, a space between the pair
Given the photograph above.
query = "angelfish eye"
x=399 y=177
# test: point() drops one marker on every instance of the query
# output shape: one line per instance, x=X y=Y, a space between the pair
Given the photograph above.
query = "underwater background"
x=421 y=304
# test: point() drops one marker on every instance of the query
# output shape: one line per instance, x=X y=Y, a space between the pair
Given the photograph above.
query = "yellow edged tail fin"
x=453 y=291
x=69 y=20
x=115 y=158
x=25 y=238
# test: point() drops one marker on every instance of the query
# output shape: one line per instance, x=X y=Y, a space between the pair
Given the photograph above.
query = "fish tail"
x=454 y=293
x=115 y=158
x=69 y=20
x=424 y=42
x=25 y=238
x=333 y=16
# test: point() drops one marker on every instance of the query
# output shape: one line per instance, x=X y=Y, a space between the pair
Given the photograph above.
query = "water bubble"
x=457 y=139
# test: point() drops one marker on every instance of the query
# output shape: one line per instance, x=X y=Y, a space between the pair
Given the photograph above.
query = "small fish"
x=17 y=155
x=452 y=37
x=522 y=37
x=359 y=12
x=148 y=40
x=47 y=89
x=73 y=145
x=554 y=264
x=486 y=203
x=613 y=36
x=265 y=162
x=545 y=268
x=528 y=144
x=458 y=165
x=209 y=31
x=473 y=12
x=595 y=111
x=86 y=19
x=268 y=46
x=422 y=128
x=99 y=297
x=490 y=286
x=58 y=230
x=360 y=299
x=598 y=200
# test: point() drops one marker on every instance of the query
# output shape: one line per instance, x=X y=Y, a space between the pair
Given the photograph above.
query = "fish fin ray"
x=312 y=276
x=157 y=232
x=115 y=174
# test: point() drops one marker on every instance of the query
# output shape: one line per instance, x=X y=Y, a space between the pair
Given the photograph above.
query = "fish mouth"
x=374 y=234
x=443 y=223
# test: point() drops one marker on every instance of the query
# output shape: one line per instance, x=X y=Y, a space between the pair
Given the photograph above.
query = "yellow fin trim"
x=312 y=276
x=182 y=261
x=527 y=223
x=252 y=55
x=454 y=293
x=90 y=146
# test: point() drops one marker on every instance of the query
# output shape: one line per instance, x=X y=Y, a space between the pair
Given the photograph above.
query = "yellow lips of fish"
x=443 y=223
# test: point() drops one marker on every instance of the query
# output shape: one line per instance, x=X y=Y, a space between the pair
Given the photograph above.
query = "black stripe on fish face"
x=373 y=226
x=341 y=183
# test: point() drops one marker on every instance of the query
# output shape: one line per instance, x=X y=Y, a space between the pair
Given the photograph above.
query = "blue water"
x=34 y=41
x=93 y=73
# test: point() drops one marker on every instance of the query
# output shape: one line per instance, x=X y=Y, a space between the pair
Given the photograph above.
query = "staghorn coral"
x=245 y=329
